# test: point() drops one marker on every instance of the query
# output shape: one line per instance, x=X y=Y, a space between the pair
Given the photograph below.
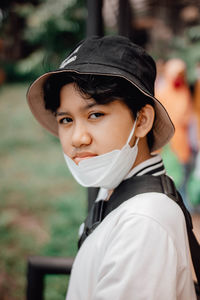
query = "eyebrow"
x=63 y=113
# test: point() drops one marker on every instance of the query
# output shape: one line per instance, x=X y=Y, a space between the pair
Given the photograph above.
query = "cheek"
x=64 y=141
x=121 y=124
x=113 y=137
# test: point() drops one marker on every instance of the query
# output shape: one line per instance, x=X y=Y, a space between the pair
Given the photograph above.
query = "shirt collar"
x=152 y=166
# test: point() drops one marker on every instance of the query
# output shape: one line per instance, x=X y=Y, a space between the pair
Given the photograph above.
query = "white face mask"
x=106 y=170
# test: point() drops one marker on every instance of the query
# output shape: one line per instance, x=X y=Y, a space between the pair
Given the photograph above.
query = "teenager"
x=101 y=105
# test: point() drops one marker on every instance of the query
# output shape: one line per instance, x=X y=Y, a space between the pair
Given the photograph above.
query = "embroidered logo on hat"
x=70 y=58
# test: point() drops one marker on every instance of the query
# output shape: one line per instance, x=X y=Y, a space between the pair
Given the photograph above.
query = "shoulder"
x=150 y=221
x=154 y=205
x=156 y=209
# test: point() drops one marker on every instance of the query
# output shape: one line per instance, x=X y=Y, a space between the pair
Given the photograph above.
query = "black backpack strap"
x=92 y=195
x=139 y=185
x=193 y=243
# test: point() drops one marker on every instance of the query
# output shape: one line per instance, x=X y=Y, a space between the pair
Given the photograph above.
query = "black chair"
x=38 y=267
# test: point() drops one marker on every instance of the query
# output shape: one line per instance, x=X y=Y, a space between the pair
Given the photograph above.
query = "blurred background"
x=41 y=206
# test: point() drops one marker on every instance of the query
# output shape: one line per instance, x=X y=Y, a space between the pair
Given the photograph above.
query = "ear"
x=145 y=121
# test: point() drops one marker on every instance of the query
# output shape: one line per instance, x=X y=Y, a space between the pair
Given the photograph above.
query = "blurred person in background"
x=194 y=186
x=101 y=105
x=197 y=101
x=174 y=93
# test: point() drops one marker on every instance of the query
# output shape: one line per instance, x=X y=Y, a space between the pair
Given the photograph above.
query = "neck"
x=143 y=152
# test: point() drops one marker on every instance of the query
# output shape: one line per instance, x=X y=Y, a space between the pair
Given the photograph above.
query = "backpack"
x=130 y=188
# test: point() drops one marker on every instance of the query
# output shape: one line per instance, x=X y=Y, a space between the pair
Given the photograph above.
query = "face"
x=87 y=129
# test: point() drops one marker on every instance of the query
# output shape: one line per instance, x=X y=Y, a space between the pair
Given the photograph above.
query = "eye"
x=65 y=120
x=96 y=115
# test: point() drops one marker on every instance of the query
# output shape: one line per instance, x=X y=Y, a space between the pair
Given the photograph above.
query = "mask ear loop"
x=133 y=130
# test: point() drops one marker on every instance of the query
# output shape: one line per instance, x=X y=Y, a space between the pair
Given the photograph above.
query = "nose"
x=80 y=136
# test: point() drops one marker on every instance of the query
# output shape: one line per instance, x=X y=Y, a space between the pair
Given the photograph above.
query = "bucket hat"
x=107 y=56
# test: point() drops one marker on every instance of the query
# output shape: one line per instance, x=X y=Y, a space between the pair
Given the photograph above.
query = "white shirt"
x=139 y=252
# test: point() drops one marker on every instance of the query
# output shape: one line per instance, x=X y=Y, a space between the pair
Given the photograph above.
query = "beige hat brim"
x=163 y=128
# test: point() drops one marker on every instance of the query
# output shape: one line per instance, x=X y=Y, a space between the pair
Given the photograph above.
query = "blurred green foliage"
x=172 y=165
x=38 y=34
x=187 y=47
x=41 y=205
x=49 y=32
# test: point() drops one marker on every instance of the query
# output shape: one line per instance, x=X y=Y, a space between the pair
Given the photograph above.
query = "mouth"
x=82 y=156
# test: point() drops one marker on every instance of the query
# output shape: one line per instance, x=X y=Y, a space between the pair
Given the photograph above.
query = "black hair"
x=103 y=89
